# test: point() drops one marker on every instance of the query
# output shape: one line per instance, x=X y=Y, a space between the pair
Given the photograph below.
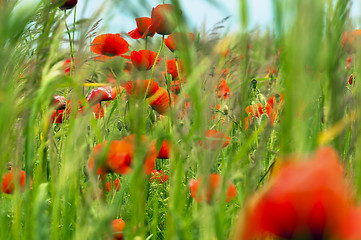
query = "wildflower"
x=112 y=185
x=109 y=45
x=162 y=18
x=351 y=79
x=99 y=94
x=8 y=184
x=212 y=189
x=351 y=39
x=349 y=63
x=116 y=91
x=223 y=90
x=274 y=103
x=67 y=4
x=119 y=155
x=118 y=226
x=143 y=59
x=178 y=40
x=144 y=28
x=160 y=101
x=305 y=200
x=67 y=66
x=175 y=86
x=141 y=87
x=172 y=68
x=164 y=150
x=215 y=140
x=158 y=176
x=98 y=111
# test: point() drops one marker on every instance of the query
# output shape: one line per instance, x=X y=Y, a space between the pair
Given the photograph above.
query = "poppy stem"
x=155 y=62
x=179 y=75
x=146 y=42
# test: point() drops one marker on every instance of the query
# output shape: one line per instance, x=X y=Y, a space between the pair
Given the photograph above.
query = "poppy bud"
x=163 y=19
x=68 y=4
x=118 y=226
x=254 y=83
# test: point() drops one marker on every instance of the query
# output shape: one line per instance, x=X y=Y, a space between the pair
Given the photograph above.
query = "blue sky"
x=199 y=13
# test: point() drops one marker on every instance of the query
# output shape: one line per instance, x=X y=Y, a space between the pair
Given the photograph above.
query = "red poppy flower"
x=144 y=28
x=143 y=59
x=215 y=140
x=162 y=17
x=109 y=45
x=351 y=39
x=117 y=91
x=99 y=94
x=274 y=104
x=351 y=79
x=67 y=4
x=223 y=90
x=67 y=66
x=8 y=184
x=305 y=200
x=118 y=226
x=175 y=86
x=349 y=63
x=250 y=111
x=112 y=185
x=179 y=40
x=211 y=189
x=98 y=111
x=160 y=101
x=119 y=155
x=139 y=87
x=158 y=176
x=172 y=68
x=164 y=150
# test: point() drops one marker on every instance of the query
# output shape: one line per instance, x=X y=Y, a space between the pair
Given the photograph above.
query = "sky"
x=199 y=13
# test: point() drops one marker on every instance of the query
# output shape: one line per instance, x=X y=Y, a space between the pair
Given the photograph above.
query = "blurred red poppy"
x=215 y=140
x=117 y=91
x=179 y=40
x=162 y=18
x=175 y=86
x=305 y=200
x=160 y=101
x=67 y=4
x=109 y=45
x=143 y=59
x=351 y=79
x=139 y=87
x=112 y=185
x=172 y=68
x=164 y=150
x=119 y=155
x=8 y=184
x=98 y=111
x=212 y=189
x=223 y=90
x=351 y=39
x=99 y=94
x=158 y=176
x=118 y=226
x=144 y=28
x=67 y=66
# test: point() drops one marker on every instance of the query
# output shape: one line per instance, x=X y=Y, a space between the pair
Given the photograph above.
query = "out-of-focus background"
x=199 y=14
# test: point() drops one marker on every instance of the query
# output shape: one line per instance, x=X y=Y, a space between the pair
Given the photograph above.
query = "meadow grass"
x=64 y=201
